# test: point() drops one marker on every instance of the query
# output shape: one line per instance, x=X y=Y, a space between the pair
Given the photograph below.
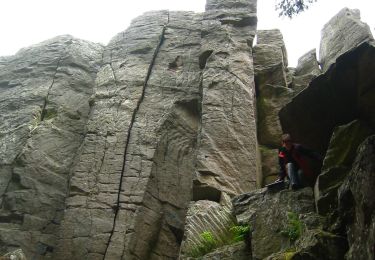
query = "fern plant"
x=294 y=228
x=240 y=232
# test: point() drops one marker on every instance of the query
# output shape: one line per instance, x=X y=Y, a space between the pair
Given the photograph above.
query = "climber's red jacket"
x=297 y=155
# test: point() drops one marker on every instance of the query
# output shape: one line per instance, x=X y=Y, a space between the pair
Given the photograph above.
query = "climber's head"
x=286 y=141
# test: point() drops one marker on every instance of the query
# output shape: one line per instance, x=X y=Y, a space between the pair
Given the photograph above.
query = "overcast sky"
x=27 y=22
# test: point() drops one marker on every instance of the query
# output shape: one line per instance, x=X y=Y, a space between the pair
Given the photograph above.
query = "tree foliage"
x=291 y=8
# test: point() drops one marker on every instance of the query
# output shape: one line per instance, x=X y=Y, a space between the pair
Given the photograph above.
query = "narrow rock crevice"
x=44 y=111
x=135 y=112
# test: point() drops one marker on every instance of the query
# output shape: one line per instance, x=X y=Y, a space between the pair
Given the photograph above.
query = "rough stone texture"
x=345 y=92
x=266 y=213
x=15 y=255
x=315 y=244
x=227 y=154
x=356 y=203
x=45 y=93
x=205 y=216
x=337 y=163
x=270 y=59
x=272 y=79
x=271 y=99
x=273 y=37
x=107 y=172
x=238 y=251
x=270 y=165
x=142 y=135
x=342 y=33
x=307 y=69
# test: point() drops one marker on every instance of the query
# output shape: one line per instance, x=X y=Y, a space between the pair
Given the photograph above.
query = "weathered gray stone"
x=266 y=213
x=227 y=153
x=238 y=251
x=270 y=100
x=335 y=98
x=342 y=33
x=337 y=163
x=307 y=69
x=270 y=165
x=270 y=59
x=142 y=135
x=205 y=216
x=45 y=94
x=356 y=203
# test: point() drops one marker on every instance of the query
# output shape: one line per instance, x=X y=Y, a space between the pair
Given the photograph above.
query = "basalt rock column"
x=131 y=187
x=227 y=152
x=44 y=96
x=342 y=33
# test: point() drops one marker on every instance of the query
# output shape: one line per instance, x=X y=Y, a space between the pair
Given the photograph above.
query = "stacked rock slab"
x=306 y=70
x=342 y=33
x=270 y=66
x=45 y=93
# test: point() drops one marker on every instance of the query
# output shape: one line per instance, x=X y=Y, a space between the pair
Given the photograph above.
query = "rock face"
x=227 y=140
x=45 y=93
x=103 y=148
x=338 y=162
x=132 y=150
x=356 y=203
x=342 y=33
x=268 y=214
x=337 y=97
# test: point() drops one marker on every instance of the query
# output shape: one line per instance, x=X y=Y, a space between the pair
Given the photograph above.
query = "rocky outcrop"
x=342 y=33
x=45 y=96
x=284 y=220
x=227 y=141
x=103 y=148
x=356 y=204
x=142 y=135
x=337 y=97
x=270 y=67
x=337 y=163
x=307 y=69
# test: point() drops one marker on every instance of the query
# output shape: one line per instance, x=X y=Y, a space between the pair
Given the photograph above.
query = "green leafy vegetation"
x=240 y=233
x=291 y=8
x=209 y=242
x=294 y=228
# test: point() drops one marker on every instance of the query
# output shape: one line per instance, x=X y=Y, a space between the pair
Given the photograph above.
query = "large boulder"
x=338 y=162
x=270 y=59
x=356 y=203
x=345 y=92
x=306 y=70
x=267 y=213
x=342 y=33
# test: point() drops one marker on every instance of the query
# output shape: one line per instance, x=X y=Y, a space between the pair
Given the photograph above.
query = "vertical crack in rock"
x=44 y=112
x=149 y=71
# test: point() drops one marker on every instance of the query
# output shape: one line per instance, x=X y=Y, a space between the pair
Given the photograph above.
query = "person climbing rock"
x=293 y=162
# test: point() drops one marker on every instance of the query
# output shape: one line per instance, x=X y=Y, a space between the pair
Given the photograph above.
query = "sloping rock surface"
x=356 y=203
x=342 y=33
x=345 y=92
